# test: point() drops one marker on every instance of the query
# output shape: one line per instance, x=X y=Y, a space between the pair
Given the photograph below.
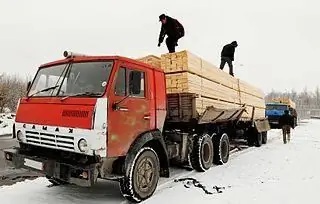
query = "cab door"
x=130 y=107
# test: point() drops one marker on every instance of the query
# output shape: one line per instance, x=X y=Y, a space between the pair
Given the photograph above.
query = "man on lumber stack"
x=173 y=29
x=286 y=122
x=227 y=56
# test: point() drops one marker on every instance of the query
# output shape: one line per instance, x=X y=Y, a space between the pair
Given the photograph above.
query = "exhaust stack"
x=68 y=54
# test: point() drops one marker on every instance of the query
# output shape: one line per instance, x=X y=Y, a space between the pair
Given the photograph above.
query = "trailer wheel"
x=221 y=149
x=202 y=153
x=264 y=137
x=258 y=137
x=144 y=173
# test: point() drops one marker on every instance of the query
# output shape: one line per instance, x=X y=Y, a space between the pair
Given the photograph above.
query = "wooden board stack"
x=283 y=100
x=187 y=73
x=151 y=60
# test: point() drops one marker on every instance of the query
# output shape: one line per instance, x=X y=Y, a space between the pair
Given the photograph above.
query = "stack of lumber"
x=188 y=73
x=151 y=60
x=284 y=100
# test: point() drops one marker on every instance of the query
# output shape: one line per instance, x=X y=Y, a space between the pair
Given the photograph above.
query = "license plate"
x=33 y=164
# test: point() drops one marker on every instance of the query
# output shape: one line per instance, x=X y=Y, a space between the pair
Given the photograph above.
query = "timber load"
x=204 y=85
x=283 y=100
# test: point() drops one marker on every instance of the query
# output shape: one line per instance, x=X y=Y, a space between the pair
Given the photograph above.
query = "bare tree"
x=11 y=89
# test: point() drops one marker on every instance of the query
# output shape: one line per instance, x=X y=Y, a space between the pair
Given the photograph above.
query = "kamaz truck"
x=275 y=109
x=109 y=117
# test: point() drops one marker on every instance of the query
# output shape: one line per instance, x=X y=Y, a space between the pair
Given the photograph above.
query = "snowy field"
x=275 y=173
x=6 y=122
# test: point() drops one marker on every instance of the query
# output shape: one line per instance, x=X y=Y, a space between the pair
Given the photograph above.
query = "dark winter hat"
x=234 y=43
x=162 y=16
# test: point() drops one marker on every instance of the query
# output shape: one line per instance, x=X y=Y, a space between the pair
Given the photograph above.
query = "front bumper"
x=81 y=175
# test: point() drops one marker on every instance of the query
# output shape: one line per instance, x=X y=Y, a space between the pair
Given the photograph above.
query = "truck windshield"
x=276 y=107
x=72 y=79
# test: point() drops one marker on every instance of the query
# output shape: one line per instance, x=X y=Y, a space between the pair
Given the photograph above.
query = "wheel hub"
x=145 y=175
x=206 y=152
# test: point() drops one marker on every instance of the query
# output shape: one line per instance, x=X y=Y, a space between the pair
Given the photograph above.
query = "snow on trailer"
x=119 y=119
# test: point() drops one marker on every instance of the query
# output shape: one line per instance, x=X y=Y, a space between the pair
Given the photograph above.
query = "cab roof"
x=98 y=58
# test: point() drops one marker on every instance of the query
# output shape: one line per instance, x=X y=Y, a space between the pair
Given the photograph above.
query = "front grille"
x=50 y=140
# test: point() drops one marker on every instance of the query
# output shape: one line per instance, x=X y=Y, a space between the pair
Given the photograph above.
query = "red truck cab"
x=86 y=117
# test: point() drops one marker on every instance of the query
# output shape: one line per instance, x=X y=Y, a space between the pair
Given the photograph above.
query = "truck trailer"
x=114 y=118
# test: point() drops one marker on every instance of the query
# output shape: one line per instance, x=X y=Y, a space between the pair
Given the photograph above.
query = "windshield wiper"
x=43 y=90
x=81 y=94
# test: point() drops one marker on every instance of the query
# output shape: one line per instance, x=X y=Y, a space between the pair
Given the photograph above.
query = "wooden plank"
x=151 y=60
x=188 y=73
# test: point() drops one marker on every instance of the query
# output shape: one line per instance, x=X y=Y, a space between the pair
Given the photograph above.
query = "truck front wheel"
x=221 y=148
x=144 y=173
x=201 y=157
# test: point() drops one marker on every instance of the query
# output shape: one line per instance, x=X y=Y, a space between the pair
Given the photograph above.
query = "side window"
x=120 y=89
x=137 y=83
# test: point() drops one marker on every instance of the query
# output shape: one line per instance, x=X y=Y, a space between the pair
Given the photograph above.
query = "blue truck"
x=274 y=110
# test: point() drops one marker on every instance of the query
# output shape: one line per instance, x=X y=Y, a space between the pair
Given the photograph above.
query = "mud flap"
x=216 y=115
x=262 y=125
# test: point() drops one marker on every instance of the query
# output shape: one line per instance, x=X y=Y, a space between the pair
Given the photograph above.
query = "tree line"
x=307 y=101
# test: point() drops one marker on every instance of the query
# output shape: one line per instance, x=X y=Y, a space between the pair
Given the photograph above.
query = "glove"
x=159 y=44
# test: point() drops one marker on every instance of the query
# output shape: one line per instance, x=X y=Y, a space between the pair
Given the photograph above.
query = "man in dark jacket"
x=227 y=56
x=173 y=29
x=286 y=122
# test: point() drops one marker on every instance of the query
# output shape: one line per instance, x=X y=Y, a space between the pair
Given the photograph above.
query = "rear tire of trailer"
x=258 y=137
x=264 y=137
x=201 y=158
x=144 y=173
x=221 y=149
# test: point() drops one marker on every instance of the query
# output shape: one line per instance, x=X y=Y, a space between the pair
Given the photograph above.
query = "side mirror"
x=28 y=85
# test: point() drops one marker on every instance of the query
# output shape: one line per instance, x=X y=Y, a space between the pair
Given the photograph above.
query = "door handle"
x=123 y=109
x=147 y=117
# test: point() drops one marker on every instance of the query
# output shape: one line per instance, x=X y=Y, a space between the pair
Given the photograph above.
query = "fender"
x=154 y=140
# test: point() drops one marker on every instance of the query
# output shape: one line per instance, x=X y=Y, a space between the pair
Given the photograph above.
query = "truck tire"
x=264 y=137
x=258 y=137
x=201 y=158
x=144 y=173
x=221 y=149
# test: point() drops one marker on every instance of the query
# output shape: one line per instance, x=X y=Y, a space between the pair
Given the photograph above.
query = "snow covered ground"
x=6 y=122
x=274 y=173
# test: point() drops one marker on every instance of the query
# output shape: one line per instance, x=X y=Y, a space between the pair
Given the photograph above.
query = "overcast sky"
x=279 y=40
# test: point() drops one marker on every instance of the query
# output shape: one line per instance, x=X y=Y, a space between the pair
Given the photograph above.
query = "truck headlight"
x=83 y=145
x=20 y=135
